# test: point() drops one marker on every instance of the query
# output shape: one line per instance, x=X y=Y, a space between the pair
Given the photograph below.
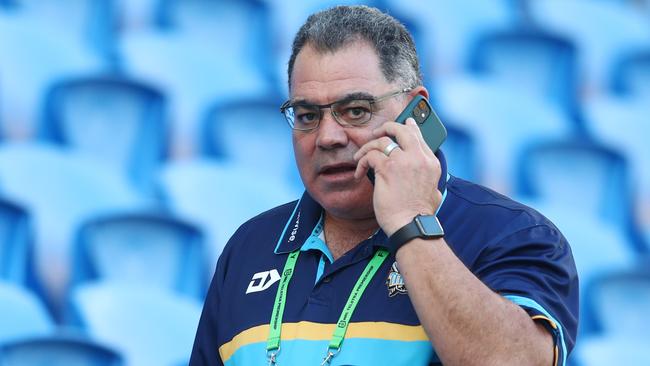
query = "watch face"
x=430 y=225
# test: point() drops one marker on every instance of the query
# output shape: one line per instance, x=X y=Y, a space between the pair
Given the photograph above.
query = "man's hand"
x=406 y=181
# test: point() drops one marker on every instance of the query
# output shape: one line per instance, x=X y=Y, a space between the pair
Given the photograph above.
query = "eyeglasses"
x=350 y=111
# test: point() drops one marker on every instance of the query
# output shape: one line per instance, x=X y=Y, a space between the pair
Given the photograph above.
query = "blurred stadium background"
x=137 y=135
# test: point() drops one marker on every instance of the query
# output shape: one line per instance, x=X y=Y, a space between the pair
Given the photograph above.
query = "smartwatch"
x=422 y=226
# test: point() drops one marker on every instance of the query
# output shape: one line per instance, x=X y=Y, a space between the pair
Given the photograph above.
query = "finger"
x=376 y=144
x=407 y=135
x=372 y=159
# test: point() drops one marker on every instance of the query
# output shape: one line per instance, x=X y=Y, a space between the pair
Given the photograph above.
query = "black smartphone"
x=433 y=131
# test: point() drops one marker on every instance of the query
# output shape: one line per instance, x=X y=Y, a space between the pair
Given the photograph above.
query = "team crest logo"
x=395 y=282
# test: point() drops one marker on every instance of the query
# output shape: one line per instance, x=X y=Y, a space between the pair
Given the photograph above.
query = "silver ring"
x=389 y=149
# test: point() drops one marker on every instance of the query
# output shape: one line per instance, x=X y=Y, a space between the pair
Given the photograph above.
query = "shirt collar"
x=306 y=219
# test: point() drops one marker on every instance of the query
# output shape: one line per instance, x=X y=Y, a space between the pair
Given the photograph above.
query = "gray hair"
x=332 y=29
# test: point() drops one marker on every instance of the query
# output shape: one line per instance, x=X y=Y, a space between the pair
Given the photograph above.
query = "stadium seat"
x=82 y=112
x=140 y=248
x=251 y=132
x=602 y=30
x=460 y=152
x=149 y=326
x=210 y=51
x=450 y=28
x=219 y=197
x=60 y=189
x=580 y=174
x=502 y=121
x=530 y=61
x=33 y=57
x=58 y=350
x=631 y=75
x=21 y=314
x=88 y=23
x=619 y=301
x=16 y=245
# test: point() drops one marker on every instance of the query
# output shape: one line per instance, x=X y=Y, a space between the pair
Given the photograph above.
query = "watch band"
x=412 y=230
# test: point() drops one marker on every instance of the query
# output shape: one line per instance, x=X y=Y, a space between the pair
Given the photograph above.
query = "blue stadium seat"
x=58 y=350
x=449 y=28
x=33 y=57
x=619 y=302
x=602 y=30
x=502 y=120
x=460 y=152
x=531 y=61
x=251 y=132
x=199 y=60
x=21 y=314
x=87 y=23
x=631 y=75
x=220 y=196
x=60 y=189
x=82 y=112
x=582 y=175
x=148 y=249
x=148 y=326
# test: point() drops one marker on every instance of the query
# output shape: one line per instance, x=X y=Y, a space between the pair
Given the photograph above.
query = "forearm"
x=466 y=321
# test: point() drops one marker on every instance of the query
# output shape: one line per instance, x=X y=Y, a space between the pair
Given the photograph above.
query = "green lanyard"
x=275 y=328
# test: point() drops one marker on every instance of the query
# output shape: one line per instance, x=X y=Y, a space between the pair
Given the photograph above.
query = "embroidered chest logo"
x=263 y=280
x=395 y=282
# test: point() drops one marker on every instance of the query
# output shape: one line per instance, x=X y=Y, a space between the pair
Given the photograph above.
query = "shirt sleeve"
x=534 y=268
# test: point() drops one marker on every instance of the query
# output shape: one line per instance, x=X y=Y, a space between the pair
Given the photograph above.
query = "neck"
x=341 y=235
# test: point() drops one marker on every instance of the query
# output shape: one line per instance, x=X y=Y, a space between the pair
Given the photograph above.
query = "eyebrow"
x=346 y=98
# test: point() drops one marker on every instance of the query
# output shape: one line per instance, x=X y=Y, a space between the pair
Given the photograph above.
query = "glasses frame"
x=286 y=105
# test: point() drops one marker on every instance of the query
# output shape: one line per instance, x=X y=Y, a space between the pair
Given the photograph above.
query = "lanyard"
x=275 y=328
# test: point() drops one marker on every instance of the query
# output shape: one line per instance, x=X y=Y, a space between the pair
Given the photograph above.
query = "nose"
x=331 y=134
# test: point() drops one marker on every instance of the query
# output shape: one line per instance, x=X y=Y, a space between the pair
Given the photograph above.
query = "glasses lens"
x=305 y=117
x=353 y=112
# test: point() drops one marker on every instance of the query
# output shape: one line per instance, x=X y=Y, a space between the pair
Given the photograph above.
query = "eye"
x=355 y=111
x=306 y=115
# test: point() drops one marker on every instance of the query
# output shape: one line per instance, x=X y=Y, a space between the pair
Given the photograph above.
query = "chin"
x=353 y=203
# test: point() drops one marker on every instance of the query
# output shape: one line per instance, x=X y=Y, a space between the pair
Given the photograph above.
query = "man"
x=344 y=276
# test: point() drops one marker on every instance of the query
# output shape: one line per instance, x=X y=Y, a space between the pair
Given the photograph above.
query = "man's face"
x=325 y=156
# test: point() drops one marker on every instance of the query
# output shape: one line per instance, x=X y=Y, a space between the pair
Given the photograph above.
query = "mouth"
x=338 y=169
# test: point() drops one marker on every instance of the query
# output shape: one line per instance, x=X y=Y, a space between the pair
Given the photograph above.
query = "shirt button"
x=327 y=279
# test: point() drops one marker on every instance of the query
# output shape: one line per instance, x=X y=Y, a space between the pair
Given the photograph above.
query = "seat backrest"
x=191 y=192
x=61 y=189
x=146 y=249
x=21 y=314
x=82 y=112
x=250 y=132
x=531 y=61
x=502 y=120
x=602 y=30
x=620 y=302
x=148 y=325
x=58 y=350
x=580 y=174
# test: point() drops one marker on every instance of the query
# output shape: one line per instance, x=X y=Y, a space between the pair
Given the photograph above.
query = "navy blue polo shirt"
x=511 y=248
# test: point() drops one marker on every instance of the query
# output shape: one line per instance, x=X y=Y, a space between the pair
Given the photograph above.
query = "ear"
x=419 y=90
